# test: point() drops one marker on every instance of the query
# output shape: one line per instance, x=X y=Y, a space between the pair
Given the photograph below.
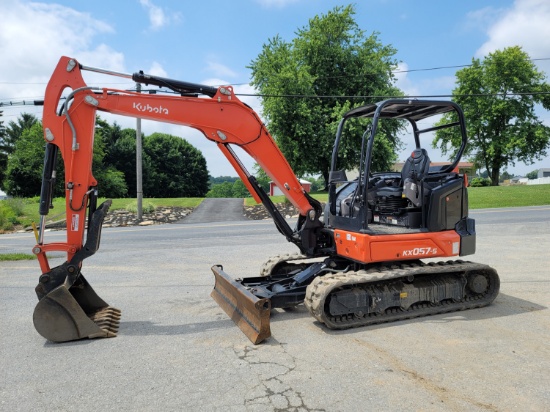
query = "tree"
x=228 y=189
x=224 y=190
x=173 y=168
x=110 y=181
x=532 y=175
x=8 y=138
x=120 y=153
x=498 y=96
x=505 y=176
x=221 y=179
x=261 y=177
x=239 y=189
x=329 y=59
x=25 y=163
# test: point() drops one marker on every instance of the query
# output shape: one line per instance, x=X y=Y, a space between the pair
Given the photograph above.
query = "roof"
x=460 y=164
x=404 y=109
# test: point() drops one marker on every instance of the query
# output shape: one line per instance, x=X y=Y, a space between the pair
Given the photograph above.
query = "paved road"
x=217 y=210
x=177 y=350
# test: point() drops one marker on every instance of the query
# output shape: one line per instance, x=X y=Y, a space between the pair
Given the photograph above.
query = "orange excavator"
x=359 y=259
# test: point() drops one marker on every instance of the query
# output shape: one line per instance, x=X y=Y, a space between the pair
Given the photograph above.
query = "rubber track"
x=321 y=287
x=273 y=261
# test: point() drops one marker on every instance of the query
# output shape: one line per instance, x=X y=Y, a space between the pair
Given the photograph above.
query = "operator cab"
x=421 y=197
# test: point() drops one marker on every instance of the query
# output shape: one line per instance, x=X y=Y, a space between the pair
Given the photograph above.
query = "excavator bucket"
x=75 y=312
x=68 y=308
x=250 y=313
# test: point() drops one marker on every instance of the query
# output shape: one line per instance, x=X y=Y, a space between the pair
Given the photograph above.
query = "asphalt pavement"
x=177 y=350
x=217 y=210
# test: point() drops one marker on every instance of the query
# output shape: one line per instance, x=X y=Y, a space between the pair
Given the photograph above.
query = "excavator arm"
x=69 y=129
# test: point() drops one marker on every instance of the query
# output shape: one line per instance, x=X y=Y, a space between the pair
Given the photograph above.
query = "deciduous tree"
x=9 y=136
x=173 y=168
x=25 y=163
x=307 y=84
x=498 y=95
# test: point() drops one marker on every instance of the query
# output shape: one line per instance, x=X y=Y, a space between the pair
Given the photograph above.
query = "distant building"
x=519 y=180
x=543 y=173
x=465 y=168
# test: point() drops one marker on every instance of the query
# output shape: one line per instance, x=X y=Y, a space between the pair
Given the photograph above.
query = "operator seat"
x=414 y=170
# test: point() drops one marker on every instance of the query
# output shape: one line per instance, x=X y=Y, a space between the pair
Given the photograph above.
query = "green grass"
x=161 y=202
x=508 y=196
x=479 y=197
x=4 y=257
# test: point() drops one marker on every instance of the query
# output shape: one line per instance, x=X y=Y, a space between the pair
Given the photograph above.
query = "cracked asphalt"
x=177 y=351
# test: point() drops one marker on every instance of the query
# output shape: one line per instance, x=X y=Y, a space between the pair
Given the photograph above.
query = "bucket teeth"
x=107 y=313
x=108 y=319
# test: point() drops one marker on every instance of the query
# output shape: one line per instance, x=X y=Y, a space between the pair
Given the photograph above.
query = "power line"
x=380 y=97
x=327 y=77
x=306 y=96
x=404 y=71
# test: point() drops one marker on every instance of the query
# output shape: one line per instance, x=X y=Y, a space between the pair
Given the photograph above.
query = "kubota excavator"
x=359 y=260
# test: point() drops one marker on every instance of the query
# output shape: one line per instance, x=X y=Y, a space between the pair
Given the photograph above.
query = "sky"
x=213 y=41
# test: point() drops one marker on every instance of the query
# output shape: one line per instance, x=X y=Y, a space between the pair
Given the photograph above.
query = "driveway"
x=217 y=210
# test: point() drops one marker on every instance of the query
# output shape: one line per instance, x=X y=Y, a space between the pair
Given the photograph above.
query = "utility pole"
x=139 y=164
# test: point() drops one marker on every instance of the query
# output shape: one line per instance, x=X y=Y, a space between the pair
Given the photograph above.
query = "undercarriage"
x=387 y=293
x=341 y=294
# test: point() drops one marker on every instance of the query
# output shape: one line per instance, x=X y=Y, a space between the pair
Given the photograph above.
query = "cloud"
x=219 y=70
x=525 y=24
x=158 y=18
x=33 y=36
x=157 y=70
x=403 y=81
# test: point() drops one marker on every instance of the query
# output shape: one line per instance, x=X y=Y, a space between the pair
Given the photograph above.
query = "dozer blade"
x=250 y=313
x=75 y=312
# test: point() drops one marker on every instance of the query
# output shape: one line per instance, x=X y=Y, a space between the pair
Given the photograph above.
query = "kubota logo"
x=151 y=109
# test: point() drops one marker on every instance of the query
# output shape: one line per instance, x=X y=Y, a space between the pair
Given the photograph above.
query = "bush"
x=16 y=204
x=480 y=182
x=146 y=207
x=8 y=217
x=111 y=183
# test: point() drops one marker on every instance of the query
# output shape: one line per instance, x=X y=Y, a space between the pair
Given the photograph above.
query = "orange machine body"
x=365 y=248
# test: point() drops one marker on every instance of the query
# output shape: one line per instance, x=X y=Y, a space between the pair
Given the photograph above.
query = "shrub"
x=7 y=219
x=480 y=182
x=146 y=207
x=16 y=204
